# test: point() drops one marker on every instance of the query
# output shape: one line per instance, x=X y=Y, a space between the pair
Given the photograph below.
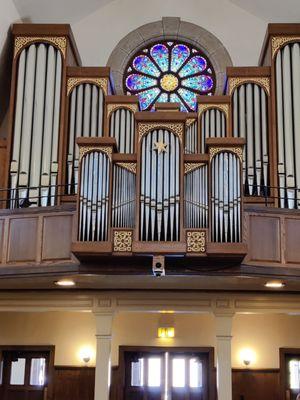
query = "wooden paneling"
x=256 y=384
x=292 y=233
x=264 y=238
x=74 y=383
x=56 y=238
x=36 y=235
x=272 y=235
x=22 y=242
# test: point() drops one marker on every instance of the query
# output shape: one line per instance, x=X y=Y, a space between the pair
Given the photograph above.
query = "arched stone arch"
x=170 y=28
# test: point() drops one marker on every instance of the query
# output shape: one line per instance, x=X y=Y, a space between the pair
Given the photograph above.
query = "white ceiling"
x=272 y=10
x=72 y=11
x=57 y=11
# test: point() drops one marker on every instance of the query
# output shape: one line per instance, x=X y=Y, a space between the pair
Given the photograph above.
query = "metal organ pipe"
x=36 y=129
x=86 y=104
x=121 y=127
x=196 y=198
x=213 y=124
x=94 y=197
x=250 y=122
x=288 y=130
x=225 y=198
x=124 y=193
x=160 y=188
x=191 y=138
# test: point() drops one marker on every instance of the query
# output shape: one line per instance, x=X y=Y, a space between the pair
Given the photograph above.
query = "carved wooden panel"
x=22 y=240
x=264 y=239
x=292 y=241
x=57 y=233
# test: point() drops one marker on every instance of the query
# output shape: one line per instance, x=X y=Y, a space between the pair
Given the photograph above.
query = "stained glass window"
x=169 y=72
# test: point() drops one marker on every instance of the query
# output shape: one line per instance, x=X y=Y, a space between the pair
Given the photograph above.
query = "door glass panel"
x=1 y=372
x=137 y=373
x=178 y=373
x=17 y=376
x=294 y=370
x=195 y=373
x=37 y=371
x=154 y=372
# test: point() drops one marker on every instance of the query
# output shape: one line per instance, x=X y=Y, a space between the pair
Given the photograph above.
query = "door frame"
x=43 y=349
x=209 y=351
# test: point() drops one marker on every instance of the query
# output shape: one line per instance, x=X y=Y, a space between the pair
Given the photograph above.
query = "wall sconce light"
x=86 y=354
x=247 y=357
x=166 y=332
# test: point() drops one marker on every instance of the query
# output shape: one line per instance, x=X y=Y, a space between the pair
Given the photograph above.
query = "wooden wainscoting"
x=249 y=384
x=74 y=383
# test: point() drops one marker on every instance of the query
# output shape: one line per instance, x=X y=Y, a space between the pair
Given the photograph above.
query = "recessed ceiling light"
x=275 y=284
x=65 y=283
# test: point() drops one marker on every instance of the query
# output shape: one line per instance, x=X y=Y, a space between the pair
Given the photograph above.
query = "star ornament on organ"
x=160 y=147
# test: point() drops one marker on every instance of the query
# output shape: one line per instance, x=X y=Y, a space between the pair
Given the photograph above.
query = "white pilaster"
x=103 y=334
x=224 y=374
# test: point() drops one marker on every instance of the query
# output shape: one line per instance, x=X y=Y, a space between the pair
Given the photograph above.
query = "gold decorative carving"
x=101 y=82
x=264 y=82
x=222 y=107
x=131 y=167
x=144 y=128
x=280 y=41
x=87 y=149
x=57 y=41
x=190 y=121
x=236 y=150
x=189 y=167
x=196 y=241
x=112 y=107
x=122 y=241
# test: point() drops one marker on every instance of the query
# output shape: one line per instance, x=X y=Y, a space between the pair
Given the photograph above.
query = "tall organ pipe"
x=124 y=194
x=196 y=198
x=86 y=107
x=160 y=188
x=250 y=122
x=225 y=198
x=191 y=138
x=121 y=127
x=94 y=197
x=212 y=124
x=288 y=120
x=34 y=164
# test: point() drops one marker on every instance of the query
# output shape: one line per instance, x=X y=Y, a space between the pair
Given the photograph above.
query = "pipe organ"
x=191 y=136
x=287 y=67
x=150 y=182
x=160 y=186
x=250 y=121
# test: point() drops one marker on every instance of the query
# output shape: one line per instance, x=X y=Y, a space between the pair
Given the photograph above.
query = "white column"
x=223 y=336
x=103 y=334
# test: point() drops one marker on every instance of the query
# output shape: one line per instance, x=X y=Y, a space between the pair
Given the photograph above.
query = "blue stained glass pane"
x=139 y=82
x=175 y=99
x=144 y=64
x=180 y=53
x=147 y=97
x=203 y=83
x=163 y=98
x=189 y=97
x=160 y=53
x=195 y=65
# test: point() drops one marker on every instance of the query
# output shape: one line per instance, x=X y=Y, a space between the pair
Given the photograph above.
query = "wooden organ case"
x=167 y=185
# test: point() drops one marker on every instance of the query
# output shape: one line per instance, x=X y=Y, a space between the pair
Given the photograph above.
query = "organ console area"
x=163 y=182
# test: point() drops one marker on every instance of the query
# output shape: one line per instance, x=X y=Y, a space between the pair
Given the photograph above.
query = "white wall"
x=70 y=332
x=240 y=32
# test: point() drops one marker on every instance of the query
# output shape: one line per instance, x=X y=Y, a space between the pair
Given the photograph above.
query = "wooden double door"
x=168 y=374
x=25 y=374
